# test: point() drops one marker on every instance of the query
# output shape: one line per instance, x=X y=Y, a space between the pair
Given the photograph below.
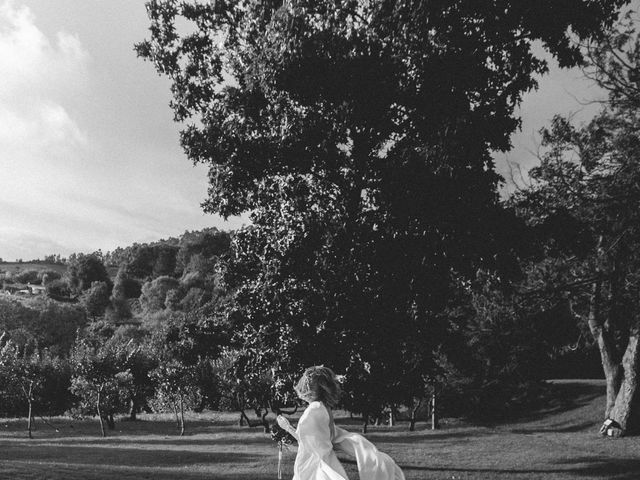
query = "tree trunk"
x=434 y=413
x=30 y=401
x=261 y=421
x=613 y=371
x=620 y=374
x=610 y=364
x=414 y=414
x=241 y=405
x=622 y=410
x=175 y=412
x=111 y=423
x=244 y=415
x=181 y=415
x=133 y=410
x=265 y=422
x=104 y=434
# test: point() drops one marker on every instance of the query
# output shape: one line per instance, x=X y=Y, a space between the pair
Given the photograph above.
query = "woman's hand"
x=286 y=425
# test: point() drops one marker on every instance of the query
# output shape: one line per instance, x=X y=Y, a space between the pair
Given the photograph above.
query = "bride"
x=319 y=438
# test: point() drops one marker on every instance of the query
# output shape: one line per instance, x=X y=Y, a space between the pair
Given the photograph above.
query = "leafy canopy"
x=328 y=88
x=358 y=135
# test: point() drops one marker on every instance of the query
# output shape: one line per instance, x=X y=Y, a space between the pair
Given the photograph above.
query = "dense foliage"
x=584 y=198
x=358 y=135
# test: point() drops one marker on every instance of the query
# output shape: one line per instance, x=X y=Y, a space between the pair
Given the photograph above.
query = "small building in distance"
x=37 y=289
x=23 y=289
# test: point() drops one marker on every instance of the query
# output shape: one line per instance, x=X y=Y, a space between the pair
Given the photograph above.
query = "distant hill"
x=143 y=258
x=15 y=267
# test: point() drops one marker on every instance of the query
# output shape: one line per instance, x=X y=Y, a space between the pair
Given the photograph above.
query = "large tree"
x=83 y=270
x=358 y=135
x=585 y=197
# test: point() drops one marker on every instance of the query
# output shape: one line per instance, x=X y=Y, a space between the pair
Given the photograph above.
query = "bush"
x=154 y=293
x=55 y=397
x=58 y=289
x=131 y=287
x=83 y=270
x=96 y=298
x=28 y=276
x=47 y=276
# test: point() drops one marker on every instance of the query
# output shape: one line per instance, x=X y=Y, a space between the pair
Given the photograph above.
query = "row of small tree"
x=170 y=359
x=113 y=371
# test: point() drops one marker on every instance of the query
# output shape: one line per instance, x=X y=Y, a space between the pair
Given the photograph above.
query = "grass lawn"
x=559 y=443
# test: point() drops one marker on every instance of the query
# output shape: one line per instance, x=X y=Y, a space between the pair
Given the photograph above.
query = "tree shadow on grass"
x=561 y=399
x=133 y=457
x=557 y=428
x=586 y=468
x=91 y=430
x=75 y=462
x=605 y=467
x=108 y=472
x=173 y=441
x=431 y=435
x=564 y=396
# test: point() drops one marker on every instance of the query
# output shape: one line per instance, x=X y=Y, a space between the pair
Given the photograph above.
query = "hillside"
x=142 y=257
x=15 y=267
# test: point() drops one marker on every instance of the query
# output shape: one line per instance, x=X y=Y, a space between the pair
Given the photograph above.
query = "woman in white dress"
x=319 y=438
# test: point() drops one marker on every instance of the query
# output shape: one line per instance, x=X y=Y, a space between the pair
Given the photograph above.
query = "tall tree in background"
x=83 y=270
x=359 y=136
x=585 y=196
x=96 y=299
x=122 y=290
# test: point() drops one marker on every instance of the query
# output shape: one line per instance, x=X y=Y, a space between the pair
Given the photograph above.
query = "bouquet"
x=283 y=437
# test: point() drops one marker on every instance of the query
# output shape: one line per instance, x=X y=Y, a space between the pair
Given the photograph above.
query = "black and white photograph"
x=319 y=239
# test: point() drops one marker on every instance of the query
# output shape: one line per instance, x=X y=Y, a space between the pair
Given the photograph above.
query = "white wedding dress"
x=318 y=438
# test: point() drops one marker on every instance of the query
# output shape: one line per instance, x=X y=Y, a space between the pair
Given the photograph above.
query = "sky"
x=89 y=153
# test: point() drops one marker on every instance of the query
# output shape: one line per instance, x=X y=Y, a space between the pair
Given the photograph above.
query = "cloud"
x=89 y=156
x=32 y=66
x=38 y=75
x=39 y=138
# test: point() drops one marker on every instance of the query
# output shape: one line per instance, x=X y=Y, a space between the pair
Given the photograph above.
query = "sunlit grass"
x=560 y=443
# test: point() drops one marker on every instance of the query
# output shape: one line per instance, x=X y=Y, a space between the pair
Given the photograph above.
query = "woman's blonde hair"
x=319 y=384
